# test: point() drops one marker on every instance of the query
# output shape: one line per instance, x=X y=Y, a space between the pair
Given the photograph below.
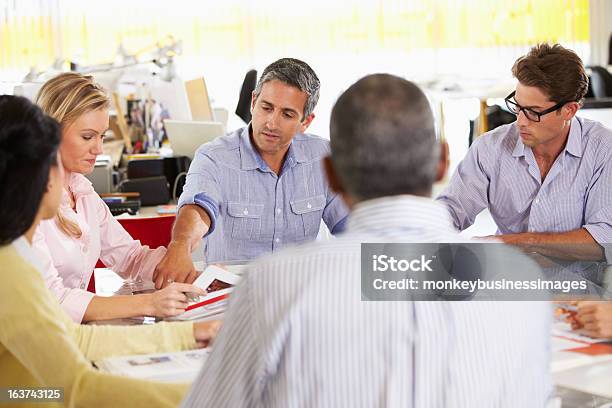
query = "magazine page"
x=218 y=284
x=571 y=349
x=564 y=330
x=215 y=278
x=180 y=366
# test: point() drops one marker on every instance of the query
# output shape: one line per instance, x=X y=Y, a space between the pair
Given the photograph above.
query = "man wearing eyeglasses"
x=547 y=177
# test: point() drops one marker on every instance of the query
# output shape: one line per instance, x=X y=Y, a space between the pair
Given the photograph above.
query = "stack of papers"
x=180 y=366
x=218 y=284
x=570 y=349
x=563 y=332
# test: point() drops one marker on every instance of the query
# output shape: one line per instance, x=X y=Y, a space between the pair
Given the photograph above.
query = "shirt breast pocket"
x=310 y=210
x=569 y=210
x=245 y=220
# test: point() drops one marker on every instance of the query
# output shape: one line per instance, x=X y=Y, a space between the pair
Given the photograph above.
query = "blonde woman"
x=40 y=346
x=84 y=229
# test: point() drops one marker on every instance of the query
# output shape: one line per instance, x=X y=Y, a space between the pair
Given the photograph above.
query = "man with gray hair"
x=298 y=332
x=259 y=188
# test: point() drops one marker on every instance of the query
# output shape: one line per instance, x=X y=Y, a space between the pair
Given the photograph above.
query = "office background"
x=442 y=44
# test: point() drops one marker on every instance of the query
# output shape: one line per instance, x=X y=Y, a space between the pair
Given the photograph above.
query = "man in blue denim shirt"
x=260 y=188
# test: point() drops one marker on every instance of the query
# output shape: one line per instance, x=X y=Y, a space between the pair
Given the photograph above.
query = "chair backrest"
x=601 y=82
x=590 y=94
x=243 y=109
x=610 y=50
x=153 y=190
x=151 y=231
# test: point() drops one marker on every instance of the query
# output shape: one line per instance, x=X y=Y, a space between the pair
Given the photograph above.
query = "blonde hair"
x=65 y=98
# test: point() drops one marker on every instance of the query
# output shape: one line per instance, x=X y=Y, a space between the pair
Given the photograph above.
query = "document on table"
x=564 y=331
x=570 y=349
x=182 y=366
x=594 y=379
x=218 y=285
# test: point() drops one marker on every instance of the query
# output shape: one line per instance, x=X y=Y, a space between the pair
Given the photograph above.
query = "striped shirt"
x=500 y=173
x=252 y=210
x=297 y=334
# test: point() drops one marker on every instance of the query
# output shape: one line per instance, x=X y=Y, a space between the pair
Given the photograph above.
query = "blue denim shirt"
x=252 y=210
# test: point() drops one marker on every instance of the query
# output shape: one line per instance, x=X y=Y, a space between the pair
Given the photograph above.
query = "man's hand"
x=175 y=266
x=205 y=332
x=190 y=226
x=576 y=245
x=594 y=319
x=522 y=239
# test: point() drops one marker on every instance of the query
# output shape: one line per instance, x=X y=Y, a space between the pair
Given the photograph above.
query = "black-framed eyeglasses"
x=529 y=113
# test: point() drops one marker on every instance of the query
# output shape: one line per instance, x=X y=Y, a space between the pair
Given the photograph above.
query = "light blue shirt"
x=500 y=173
x=252 y=210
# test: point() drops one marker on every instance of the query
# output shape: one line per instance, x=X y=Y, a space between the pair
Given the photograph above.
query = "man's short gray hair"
x=295 y=73
x=383 y=139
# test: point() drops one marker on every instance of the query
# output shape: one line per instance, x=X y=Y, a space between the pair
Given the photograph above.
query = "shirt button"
x=309 y=206
x=82 y=286
x=277 y=240
x=245 y=212
x=537 y=201
x=85 y=249
x=278 y=211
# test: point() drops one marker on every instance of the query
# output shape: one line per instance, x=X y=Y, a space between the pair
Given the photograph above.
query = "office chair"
x=243 y=109
x=153 y=190
x=590 y=94
x=151 y=231
x=496 y=116
x=610 y=50
x=601 y=82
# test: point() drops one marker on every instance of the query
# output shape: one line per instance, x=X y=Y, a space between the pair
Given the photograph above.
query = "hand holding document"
x=170 y=301
x=594 y=319
x=590 y=318
x=566 y=311
x=217 y=285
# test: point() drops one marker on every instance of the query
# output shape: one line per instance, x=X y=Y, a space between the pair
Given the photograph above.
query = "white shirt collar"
x=27 y=252
x=402 y=212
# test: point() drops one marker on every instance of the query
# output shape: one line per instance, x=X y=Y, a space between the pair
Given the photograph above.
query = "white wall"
x=600 y=18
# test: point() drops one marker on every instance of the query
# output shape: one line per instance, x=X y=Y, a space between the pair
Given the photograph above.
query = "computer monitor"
x=186 y=136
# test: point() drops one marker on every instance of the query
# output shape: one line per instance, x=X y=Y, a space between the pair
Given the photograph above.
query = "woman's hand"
x=205 y=332
x=594 y=319
x=171 y=300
